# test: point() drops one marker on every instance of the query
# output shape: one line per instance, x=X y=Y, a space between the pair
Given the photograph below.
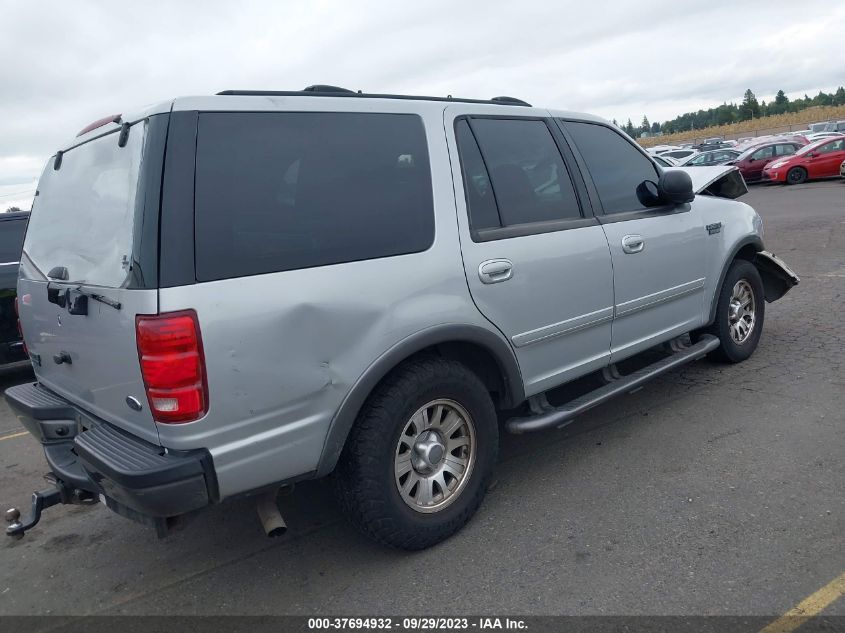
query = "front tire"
x=796 y=176
x=740 y=312
x=419 y=458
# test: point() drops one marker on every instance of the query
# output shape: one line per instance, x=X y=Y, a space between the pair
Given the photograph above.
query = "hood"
x=723 y=181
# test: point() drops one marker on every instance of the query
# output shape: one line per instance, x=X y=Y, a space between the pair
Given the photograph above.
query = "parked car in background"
x=679 y=154
x=713 y=157
x=822 y=159
x=711 y=143
x=752 y=161
x=666 y=161
x=12 y=230
x=820 y=135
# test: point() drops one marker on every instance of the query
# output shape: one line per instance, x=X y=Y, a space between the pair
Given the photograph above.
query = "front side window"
x=616 y=166
x=281 y=191
x=760 y=154
x=835 y=146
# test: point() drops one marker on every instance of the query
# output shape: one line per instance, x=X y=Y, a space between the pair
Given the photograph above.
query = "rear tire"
x=796 y=176
x=419 y=458
x=740 y=312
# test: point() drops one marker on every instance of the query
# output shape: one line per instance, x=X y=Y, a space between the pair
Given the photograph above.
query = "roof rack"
x=320 y=90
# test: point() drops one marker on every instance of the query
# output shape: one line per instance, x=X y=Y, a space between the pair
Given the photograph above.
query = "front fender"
x=778 y=278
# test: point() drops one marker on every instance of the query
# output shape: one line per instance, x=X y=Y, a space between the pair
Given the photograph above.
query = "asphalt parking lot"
x=714 y=490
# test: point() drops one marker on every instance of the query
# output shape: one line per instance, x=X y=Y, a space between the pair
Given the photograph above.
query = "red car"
x=752 y=161
x=816 y=160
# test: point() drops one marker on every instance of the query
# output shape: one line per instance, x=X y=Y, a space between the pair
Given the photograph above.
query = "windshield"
x=83 y=214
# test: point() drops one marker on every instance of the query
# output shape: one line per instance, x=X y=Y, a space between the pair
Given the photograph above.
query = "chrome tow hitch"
x=41 y=500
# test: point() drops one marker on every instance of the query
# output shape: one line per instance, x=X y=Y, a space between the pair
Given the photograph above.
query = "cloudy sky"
x=65 y=64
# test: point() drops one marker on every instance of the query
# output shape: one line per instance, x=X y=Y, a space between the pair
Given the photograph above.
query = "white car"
x=666 y=161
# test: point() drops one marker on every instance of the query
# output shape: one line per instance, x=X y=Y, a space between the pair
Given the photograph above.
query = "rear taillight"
x=173 y=366
x=20 y=329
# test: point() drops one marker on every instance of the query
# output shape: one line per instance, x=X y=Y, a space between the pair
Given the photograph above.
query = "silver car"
x=223 y=295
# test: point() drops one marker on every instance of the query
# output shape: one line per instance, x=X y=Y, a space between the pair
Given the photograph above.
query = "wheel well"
x=478 y=359
x=747 y=252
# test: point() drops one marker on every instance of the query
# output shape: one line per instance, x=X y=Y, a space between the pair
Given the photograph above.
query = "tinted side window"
x=766 y=152
x=530 y=180
x=11 y=240
x=616 y=167
x=483 y=213
x=281 y=191
x=785 y=150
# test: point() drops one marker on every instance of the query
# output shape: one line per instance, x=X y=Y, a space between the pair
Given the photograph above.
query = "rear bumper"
x=136 y=479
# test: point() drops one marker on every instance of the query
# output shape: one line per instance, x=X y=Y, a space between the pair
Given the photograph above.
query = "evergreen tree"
x=749 y=108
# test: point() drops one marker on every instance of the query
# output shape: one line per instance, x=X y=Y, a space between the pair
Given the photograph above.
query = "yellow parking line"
x=12 y=436
x=808 y=607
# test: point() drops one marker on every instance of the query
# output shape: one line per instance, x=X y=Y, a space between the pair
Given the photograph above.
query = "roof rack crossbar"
x=334 y=91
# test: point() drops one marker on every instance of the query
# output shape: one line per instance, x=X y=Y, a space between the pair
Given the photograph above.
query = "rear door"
x=535 y=259
x=658 y=253
x=84 y=237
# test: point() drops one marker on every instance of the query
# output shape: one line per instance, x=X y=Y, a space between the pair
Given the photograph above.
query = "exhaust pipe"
x=268 y=511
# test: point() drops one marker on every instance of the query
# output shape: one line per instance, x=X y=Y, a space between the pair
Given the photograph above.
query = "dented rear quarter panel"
x=284 y=349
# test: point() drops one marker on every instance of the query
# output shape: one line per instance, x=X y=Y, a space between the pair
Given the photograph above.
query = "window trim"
x=529 y=228
x=601 y=215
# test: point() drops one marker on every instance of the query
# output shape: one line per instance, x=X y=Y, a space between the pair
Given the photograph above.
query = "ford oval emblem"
x=134 y=403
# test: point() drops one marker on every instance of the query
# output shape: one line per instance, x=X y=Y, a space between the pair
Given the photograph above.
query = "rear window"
x=11 y=240
x=83 y=214
x=282 y=191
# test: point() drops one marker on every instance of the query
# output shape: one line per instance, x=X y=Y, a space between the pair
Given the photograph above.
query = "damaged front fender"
x=777 y=277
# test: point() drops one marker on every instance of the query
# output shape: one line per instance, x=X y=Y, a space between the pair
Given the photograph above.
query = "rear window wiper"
x=100 y=298
x=62 y=297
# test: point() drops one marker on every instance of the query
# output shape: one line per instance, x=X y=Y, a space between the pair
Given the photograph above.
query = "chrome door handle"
x=633 y=244
x=495 y=270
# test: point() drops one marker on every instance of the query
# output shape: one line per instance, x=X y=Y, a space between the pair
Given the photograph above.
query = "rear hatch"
x=83 y=240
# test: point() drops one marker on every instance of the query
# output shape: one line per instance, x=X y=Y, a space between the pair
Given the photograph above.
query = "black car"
x=12 y=230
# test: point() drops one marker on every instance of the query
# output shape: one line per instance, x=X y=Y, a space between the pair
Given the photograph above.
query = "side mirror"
x=676 y=187
x=812 y=155
x=648 y=193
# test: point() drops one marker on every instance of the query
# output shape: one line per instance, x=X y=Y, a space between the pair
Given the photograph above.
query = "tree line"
x=726 y=113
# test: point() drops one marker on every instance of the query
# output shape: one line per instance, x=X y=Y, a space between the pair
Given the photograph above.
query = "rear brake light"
x=113 y=118
x=173 y=366
x=20 y=329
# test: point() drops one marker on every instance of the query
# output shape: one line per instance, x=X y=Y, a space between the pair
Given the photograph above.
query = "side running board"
x=558 y=417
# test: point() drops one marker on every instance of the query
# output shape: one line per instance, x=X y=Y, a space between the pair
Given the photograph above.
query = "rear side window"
x=785 y=150
x=11 y=240
x=483 y=213
x=282 y=191
x=616 y=167
x=530 y=182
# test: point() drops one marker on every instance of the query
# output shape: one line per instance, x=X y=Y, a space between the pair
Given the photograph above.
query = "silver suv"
x=224 y=295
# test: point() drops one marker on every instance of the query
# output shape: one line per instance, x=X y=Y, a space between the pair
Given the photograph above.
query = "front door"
x=826 y=159
x=536 y=261
x=658 y=253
